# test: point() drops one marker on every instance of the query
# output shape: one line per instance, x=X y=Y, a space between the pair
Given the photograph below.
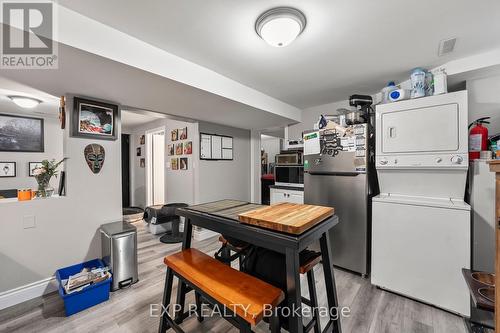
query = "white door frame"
x=148 y=156
x=255 y=167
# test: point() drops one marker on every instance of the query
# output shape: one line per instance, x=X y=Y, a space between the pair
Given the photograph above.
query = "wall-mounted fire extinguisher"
x=478 y=138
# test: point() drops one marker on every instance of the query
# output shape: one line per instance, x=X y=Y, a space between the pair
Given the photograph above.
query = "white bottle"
x=440 y=82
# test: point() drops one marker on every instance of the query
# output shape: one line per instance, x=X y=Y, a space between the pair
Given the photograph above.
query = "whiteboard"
x=216 y=147
x=205 y=149
x=227 y=142
x=227 y=154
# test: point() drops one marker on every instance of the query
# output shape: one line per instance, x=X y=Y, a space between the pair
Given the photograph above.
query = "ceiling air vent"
x=446 y=46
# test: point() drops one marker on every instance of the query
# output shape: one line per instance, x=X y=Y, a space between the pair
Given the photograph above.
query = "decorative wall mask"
x=94 y=155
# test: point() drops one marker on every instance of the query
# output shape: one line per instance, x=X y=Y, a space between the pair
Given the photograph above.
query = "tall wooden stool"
x=307 y=267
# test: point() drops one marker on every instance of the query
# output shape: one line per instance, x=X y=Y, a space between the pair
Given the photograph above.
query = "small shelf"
x=15 y=200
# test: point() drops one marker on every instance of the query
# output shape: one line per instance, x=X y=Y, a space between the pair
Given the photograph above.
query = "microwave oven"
x=291 y=158
x=289 y=175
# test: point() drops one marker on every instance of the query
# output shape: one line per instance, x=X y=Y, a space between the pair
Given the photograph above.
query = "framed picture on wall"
x=174 y=135
x=21 y=134
x=188 y=148
x=142 y=163
x=32 y=166
x=183 y=133
x=171 y=150
x=142 y=140
x=178 y=149
x=174 y=163
x=138 y=151
x=62 y=184
x=183 y=163
x=7 y=169
x=94 y=119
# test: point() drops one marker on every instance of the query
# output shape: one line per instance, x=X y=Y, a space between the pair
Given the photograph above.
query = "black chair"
x=168 y=215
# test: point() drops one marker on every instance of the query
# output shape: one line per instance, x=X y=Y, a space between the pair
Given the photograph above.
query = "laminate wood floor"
x=372 y=310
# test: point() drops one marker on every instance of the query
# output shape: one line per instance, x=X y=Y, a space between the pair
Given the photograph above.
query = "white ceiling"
x=132 y=119
x=48 y=107
x=86 y=74
x=348 y=46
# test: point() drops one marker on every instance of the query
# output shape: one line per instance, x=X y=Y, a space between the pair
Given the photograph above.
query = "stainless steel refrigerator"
x=342 y=176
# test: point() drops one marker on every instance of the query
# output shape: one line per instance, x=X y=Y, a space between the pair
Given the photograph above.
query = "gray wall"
x=179 y=184
x=66 y=229
x=226 y=179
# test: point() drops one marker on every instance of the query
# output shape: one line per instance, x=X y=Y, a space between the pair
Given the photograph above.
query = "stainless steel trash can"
x=119 y=252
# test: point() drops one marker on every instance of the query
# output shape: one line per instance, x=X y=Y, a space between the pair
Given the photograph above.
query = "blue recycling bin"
x=89 y=296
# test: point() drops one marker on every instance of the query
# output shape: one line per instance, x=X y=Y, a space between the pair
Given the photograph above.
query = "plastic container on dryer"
x=440 y=82
x=417 y=79
x=386 y=91
x=399 y=95
x=429 y=84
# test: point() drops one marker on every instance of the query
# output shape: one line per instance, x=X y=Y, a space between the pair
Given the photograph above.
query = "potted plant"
x=43 y=174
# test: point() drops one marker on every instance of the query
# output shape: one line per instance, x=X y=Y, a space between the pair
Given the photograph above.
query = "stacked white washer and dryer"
x=421 y=227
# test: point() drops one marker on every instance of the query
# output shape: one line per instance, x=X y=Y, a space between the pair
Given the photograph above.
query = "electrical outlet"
x=29 y=221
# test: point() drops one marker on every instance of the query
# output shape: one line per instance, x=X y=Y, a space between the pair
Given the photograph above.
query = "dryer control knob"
x=439 y=160
x=384 y=162
x=457 y=159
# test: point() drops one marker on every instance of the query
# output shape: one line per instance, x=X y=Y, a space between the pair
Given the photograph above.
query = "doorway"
x=125 y=170
x=155 y=167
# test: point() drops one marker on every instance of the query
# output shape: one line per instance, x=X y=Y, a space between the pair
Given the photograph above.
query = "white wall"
x=271 y=146
x=484 y=101
x=66 y=229
x=226 y=179
x=53 y=142
x=311 y=115
x=158 y=168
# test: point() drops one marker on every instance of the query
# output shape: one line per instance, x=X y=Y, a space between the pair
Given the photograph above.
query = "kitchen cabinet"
x=286 y=195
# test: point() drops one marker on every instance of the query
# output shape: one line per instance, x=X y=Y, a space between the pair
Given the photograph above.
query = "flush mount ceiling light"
x=25 y=102
x=280 y=26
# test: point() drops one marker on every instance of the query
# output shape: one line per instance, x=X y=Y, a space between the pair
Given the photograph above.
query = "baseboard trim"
x=27 y=292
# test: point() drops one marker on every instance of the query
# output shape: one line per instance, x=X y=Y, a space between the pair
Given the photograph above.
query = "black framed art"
x=7 y=169
x=32 y=166
x=94 y=119
x=62 y=184
x=21 y=134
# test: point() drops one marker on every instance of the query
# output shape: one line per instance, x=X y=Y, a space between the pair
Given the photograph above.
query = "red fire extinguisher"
x=478 y=138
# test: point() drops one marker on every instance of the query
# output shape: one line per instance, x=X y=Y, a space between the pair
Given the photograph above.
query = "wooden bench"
x=244 y=296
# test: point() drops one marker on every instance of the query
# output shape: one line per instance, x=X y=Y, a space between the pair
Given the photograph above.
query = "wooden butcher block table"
x=285 y=228
x=287 y=217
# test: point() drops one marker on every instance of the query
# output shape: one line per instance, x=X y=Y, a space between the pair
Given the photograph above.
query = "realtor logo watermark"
x=208 y=311
x=28 y=35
